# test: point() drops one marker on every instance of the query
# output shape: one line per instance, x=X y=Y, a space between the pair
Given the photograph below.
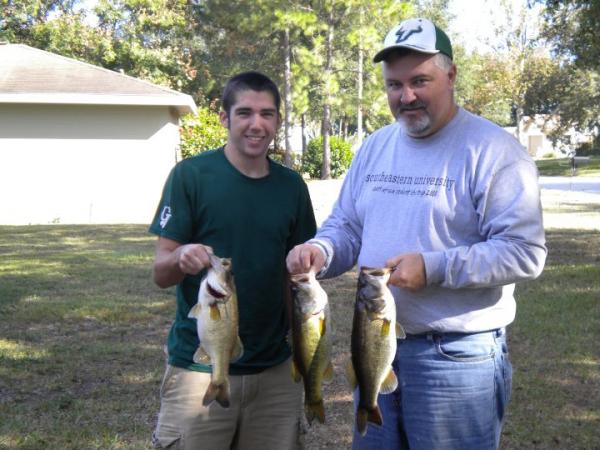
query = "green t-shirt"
x=253 y=221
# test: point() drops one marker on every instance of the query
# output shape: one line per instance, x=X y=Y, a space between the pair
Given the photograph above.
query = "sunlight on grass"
x=18 y=351
x=33 y=299
x=33 y=267
x=130 y=378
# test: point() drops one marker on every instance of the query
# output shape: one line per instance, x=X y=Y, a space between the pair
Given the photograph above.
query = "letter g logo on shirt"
x=165 y=215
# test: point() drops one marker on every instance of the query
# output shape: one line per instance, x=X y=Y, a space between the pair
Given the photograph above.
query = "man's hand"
x=409 y=271
x=305 y=258
x=174 y=261
x=192 y=258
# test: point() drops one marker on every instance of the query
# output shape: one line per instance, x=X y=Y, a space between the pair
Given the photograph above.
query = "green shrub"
x=587 y=149
x=202 y=132
x=341 y=157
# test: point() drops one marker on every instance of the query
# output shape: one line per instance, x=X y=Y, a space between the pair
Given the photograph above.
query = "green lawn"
x=562 y=166
x=82 y=329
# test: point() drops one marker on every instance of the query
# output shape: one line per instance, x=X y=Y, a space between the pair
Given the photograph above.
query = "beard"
x=414 y=126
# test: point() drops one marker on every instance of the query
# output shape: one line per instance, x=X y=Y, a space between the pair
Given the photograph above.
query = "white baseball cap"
x=419 y=35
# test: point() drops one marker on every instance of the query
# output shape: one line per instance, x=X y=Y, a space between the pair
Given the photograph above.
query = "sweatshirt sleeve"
x=343 y=228
x=513 y=243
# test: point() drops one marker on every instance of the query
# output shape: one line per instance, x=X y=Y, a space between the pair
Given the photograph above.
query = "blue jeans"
x=452 y=393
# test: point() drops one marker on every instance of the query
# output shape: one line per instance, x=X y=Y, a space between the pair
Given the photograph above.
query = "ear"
x=452 y=75
x=224 y=119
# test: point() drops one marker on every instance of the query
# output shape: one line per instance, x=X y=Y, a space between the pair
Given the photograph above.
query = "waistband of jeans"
x=497 y=332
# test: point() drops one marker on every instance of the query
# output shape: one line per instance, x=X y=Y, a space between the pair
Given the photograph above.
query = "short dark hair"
x=251 y=80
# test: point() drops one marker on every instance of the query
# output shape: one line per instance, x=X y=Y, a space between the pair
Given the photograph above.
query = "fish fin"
x=237 y=351
x=200 y=356
x=351 y=375
x=385 y=328
x=390 y=383
x=223 y=394
x=295 y=373
x=322 y=326
x=314 y=409
x=328 y=373
x=375 y=416
x=217 y=392
x=400 y=333
x=214 y=312
x=195 y=311
x=361 y=421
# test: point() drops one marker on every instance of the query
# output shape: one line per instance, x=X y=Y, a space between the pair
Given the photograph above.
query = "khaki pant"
x=263 y=414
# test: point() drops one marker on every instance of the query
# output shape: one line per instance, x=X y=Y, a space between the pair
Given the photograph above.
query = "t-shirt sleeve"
x=173 y=217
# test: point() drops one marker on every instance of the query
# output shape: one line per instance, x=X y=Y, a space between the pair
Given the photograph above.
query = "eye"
x=420 y=82
x=393 y=85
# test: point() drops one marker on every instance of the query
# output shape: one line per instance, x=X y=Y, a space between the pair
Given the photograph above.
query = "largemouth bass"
x=217 y=316
x=373 y=344
x=311 y=344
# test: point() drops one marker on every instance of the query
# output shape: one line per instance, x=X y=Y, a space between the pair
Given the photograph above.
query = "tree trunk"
x=287 y=99
x=326 y=127
x=359 y=84
x=303 y=125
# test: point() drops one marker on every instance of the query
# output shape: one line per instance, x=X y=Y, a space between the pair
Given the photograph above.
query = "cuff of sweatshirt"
x=435 y=267
x=327 y=250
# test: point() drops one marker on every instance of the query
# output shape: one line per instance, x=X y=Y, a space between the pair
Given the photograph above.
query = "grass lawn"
x=82 y=329
x=562 y=167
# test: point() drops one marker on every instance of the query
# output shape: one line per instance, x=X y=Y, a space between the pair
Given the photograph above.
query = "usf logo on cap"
x=419 y=35
x=404 y=35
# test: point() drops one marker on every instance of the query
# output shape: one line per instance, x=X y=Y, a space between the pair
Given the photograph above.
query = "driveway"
x=575 y=184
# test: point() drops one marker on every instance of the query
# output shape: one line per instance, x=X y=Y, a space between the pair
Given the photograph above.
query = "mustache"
x=411 y=106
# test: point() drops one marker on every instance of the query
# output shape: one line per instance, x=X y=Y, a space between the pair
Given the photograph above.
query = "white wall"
x=83 y=164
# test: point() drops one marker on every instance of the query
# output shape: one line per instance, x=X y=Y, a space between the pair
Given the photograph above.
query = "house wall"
x=84 y=164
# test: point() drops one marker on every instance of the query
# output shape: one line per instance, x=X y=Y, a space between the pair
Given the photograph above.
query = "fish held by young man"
x=217 y=319
x=310 y=341
x=373 y=344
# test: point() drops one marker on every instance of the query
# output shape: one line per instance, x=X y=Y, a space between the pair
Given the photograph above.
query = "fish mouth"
x=300 y=278
x=375 y=271
x=215 y=292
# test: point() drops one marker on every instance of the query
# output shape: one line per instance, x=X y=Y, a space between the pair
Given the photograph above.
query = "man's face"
x=252 y=122
x=420 y=94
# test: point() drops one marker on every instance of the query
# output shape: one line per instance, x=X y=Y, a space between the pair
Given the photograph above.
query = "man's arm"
x=173 y=261
x=513 y=248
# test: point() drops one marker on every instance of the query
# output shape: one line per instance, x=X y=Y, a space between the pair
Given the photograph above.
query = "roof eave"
x=183 y=103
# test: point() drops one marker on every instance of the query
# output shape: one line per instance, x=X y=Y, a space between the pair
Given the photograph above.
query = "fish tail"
x=361 y=421
x=364 y=415
x=375 y=416
x=314 y=409
x=218 y=392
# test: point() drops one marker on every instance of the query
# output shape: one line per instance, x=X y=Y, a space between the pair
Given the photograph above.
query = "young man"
x=451 y=202
x=237 y=203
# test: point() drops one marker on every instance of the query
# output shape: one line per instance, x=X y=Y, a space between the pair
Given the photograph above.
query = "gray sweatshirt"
x=466 y=198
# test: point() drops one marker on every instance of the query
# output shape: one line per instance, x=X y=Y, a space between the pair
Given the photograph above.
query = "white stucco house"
x=81 y=144
x=533 y=135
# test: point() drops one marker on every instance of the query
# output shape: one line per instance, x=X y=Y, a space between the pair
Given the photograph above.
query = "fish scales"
x=311 y=344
